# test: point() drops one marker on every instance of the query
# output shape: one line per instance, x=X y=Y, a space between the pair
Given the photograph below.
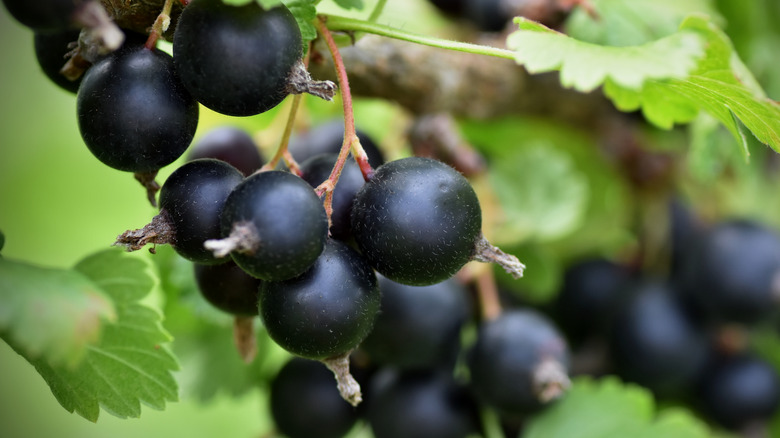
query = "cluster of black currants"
x=685 y=336
x=262 y=244
x=137 y=106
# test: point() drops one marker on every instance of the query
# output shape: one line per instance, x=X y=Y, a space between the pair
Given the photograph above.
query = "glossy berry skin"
x=740 y=391
x=507 y=354
x=418 y=326
x=328 y=138
x=732 y=274
x=591 y=291
x=228 y=288
x=289 y=220
x=231 y=145
x=305 y=402
x=236 y=59
x=328 y=310
x=50 y=51
x=45 y=15
x=419 y=404
x=417 y=221
x=316 y=170
x=655 y=343
x=133 y=112
x=193 y=197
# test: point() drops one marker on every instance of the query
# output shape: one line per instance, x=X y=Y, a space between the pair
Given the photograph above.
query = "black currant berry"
x=280 y=224
x=591 y=290
x=193 y=198
x=50 y=51
x=420 y=404
x=133 y=112
x=45 y=15
x=228 y=288
x=733 y=274
x=654 y=342
x=236 y=60
x=231 y=145
x=417 y=221
x=487 y=15
x=328 y=138
x=328 y=310
x=316 y=170
x=305 y=402
x=519 y=362
x=418 y=326
x=453 y=8
x=739 y=392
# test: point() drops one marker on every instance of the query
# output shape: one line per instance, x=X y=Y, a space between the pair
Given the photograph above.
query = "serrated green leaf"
x=595 y=409
x=631 y=22
x=608 y=408
x=129 y=365
x=350 y=4
x=305 y=12
x=585 y=66
x=51 y=314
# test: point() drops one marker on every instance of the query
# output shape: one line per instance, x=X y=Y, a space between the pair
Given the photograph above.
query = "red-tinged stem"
x=292 y=164
x=160 y=25
x=351 y=141
x=487 y=293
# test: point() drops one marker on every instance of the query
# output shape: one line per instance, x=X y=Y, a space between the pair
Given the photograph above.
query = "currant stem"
x=147 y=179
x=101 y=31
x=159 y=231
x=487 y=294
x=160 y=25
x=244 y=337
x=485 y=252
x=243 y=239
x=299 y=81
x=336 y=23
x=348 y=387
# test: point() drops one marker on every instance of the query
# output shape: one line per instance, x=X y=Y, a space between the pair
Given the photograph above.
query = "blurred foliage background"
x=561 y=198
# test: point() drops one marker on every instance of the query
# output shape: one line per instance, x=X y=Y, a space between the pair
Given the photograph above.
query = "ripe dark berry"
x=50 y=51
x=741 y=391
x=231 y=145
x=591 y=290
x=228 y=288
x=328 y=138
x=328 y=310
x=519 y=362
x=487 y=15
x=45 y=15
x=133 y=112
x=417 y=221
x=286 y=223
x=193 y=198
x=654 y=342
x=732 y=274
x=454 y=8
x=316 y=170
x=418 y=326
x=419 y=404
x=305 y=402
x=236 y=60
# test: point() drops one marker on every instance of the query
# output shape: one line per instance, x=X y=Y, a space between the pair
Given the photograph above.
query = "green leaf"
x=631 y=22
x=585 y=66
x=305 y=12
x=350 y=4
x=608 y=408
x=595 y=409
x=51 y=314
x=129 y=365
